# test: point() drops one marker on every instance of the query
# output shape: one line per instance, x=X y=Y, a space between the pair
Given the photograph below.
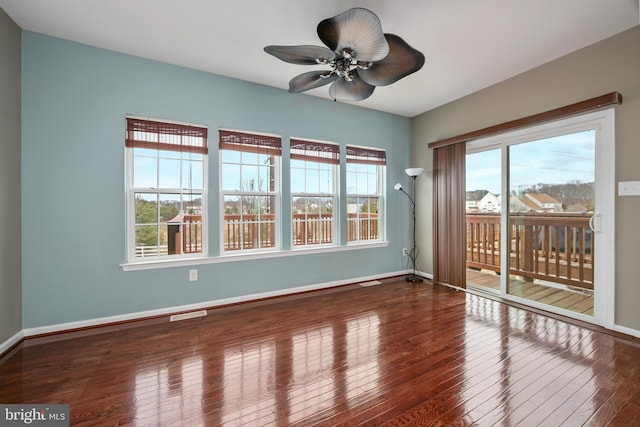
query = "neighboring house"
x=490 y=203
x=522 y=204
x=534 y=202
x=544 y=202
x=482 y=201
x=473 y=200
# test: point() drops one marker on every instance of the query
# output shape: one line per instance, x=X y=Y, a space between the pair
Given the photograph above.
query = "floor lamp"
x=413 y=173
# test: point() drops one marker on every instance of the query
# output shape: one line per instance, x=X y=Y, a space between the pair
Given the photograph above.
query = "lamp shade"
x=413 y=171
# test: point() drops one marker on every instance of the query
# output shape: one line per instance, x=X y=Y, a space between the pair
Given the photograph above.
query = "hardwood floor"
x=395 y=354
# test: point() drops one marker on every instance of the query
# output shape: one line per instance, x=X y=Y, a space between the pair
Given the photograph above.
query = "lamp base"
x=413 y=278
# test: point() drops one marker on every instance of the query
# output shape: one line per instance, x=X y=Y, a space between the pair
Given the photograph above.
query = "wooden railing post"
x=557 y=247
x=527 y=250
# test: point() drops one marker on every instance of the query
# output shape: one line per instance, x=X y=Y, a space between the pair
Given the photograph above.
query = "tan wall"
x=607 y=66
x=10 y=236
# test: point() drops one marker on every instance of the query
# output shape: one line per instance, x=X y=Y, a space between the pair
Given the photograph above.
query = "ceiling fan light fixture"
x=360 y=55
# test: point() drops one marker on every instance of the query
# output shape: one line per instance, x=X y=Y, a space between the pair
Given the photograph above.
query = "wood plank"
x=394 y=354
x=566 y=299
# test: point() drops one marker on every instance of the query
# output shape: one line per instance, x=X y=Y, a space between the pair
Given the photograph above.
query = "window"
x=166 y=190
x=313 y=192
x=365 y=181
x=249 y=169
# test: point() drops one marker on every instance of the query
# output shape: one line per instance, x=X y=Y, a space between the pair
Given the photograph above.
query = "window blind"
x=449 y=250
x=250 y=142
x=369 y=156
x=314 y=151
x=157 y=135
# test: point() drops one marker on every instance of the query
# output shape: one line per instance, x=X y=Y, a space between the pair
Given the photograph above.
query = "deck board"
x=578 y=301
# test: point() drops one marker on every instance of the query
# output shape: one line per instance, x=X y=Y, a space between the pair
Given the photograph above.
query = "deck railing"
x=362 y=226
x=315 y=230
x=259 y=231
x=249 y=231
x=554 y=247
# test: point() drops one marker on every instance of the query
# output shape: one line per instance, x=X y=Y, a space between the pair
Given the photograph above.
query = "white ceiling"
x=468 y=44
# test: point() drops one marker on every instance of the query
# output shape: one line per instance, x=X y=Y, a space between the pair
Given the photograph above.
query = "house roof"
x=542 y=198
x=476 y=195
x=530 y=204
x=468 y=45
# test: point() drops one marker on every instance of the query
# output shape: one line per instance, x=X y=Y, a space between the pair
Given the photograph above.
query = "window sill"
x=203 y=260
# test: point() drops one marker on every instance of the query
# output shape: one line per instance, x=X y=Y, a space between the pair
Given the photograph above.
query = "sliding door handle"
x=594 y=223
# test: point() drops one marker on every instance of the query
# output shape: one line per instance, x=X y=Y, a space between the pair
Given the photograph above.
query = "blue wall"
x=74 y=102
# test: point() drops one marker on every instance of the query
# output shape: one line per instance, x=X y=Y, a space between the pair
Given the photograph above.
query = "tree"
x=370 y=207
x=569 y=193
x=168 y=211
x=147 y=213
x=251 y=203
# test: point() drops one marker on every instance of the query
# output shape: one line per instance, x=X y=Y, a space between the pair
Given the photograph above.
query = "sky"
x=555 y=160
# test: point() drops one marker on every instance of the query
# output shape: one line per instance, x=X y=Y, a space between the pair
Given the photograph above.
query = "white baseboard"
x=425 y=275
x=61 y=327
x=6 y=345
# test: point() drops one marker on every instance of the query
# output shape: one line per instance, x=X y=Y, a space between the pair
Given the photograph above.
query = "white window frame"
x=380 y=195
x=309 y=164
x=277 y=193
x=130 y=204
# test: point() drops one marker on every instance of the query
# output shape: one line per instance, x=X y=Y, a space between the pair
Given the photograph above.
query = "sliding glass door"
x=551 y=202
x=545 y=238
x=482 y=208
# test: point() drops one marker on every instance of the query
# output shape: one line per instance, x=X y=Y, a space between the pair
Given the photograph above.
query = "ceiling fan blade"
x=355 y=90
x=356 y=29
x=401 y=61
x=310 y=80
x=302 y=55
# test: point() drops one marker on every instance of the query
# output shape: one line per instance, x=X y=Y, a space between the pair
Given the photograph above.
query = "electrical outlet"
x=405 y=252
x=193 y=275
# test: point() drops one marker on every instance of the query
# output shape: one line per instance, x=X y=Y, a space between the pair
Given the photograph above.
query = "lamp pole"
x=413 y=173
x=413 y=277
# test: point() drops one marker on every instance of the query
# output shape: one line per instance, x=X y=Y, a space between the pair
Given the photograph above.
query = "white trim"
x=6 y=345
x=604 y=239
x=277 y=194
x=427 y=275
x=335 y=219
x=626 y=330
x=184 y=262
x=61 y=327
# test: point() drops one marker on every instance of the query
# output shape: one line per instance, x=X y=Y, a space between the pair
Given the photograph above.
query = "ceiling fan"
x=359 y=54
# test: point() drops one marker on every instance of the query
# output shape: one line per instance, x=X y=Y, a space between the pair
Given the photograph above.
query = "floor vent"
x=189 y=315
x=371 y=283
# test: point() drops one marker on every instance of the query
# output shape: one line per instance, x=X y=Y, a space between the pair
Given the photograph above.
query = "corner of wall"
x=10 y=175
